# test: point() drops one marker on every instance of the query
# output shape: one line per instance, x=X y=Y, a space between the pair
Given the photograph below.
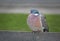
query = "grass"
x=53 y=21
x=17 y=22
x=14 y=22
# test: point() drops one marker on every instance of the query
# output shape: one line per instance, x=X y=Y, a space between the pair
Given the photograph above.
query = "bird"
x=34 y=21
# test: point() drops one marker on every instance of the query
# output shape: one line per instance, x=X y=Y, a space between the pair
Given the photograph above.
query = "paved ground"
x=28 y=36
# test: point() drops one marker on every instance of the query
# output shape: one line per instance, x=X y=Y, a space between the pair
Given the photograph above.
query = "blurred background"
x=24 y=6
x=14 y=13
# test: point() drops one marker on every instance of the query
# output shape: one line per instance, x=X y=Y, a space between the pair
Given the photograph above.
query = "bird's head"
x=35 y=12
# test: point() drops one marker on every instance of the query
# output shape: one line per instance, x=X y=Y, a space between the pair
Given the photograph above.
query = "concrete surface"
x=28 y=36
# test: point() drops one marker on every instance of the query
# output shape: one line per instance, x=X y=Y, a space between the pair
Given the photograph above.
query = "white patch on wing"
x=36 y=14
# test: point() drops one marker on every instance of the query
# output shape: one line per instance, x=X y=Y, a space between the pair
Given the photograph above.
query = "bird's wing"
x=44 y=23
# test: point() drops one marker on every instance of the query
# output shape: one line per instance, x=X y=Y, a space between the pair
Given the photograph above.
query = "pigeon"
x=34 y=21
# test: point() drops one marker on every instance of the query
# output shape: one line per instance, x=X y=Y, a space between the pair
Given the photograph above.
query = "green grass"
x=17 y=22
x=14 y=22
x=53 y=22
